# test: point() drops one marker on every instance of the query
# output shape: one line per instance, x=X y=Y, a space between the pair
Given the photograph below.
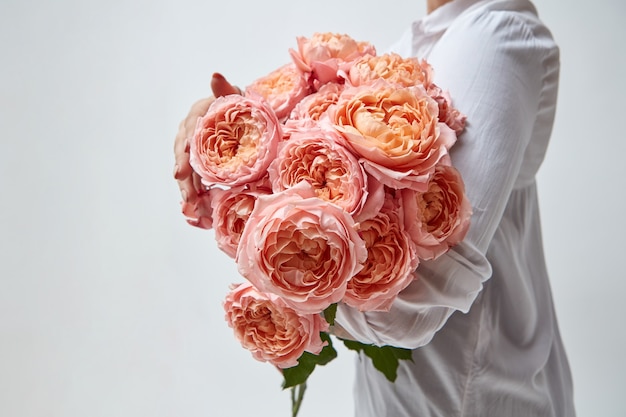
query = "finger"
x=191 y=187
x=199 y=109
x=182 y=169
x=221 y=87
x=186 y=126
x=197 y=182
x=187 y=191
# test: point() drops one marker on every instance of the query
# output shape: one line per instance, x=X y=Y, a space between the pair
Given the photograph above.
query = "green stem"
x=297 y=395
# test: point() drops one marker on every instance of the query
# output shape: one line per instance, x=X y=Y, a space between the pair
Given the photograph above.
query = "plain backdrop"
x=110 y=304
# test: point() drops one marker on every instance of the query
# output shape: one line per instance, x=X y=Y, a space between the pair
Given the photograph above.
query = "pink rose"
x=235 y=141
x=325 y=54
x=391 y=260
x=448 y=114
x=199 y=212
x=407 y=72
x=438 y=218
x=231 y=209
x=395 y=131
x=269 y=329
x=300 y=248
x=283 y=88
x=374 y=202
x=318 y=157
x=393 y=68
x=314 y=106
x=312 y=109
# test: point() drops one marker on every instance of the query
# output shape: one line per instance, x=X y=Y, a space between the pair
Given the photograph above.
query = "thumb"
x=221 y=87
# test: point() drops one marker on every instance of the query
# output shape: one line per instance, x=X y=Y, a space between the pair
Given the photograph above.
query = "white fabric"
x=481 y=317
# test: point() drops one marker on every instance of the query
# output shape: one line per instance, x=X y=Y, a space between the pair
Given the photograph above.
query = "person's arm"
x=494 y=68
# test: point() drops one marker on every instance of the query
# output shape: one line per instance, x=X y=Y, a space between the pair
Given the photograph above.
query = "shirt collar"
x=440 y=19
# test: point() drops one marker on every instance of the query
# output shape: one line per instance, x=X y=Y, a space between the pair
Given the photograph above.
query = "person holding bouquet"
x=480 y=318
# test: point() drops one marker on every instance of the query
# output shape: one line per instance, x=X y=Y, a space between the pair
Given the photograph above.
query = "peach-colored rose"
x=391 y=260
x=283 y=88
x=395 y=131
x=325 y=54
x=231 y=209
x=448 y=114
x=438 y=218
x=235 y=141
x=312 y=109
x=199 y=212
x=314 y=106
x=300 y=248
x=393 y=68
x=318 y=157
x=407 y=72
x=269 y=329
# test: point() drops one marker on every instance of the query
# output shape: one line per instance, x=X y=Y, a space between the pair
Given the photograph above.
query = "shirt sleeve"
x=493 y=65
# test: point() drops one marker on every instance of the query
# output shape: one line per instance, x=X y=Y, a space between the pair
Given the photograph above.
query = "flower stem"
x=297 y=395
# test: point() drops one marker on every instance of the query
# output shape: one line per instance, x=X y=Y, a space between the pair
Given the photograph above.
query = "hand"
x=188 y=181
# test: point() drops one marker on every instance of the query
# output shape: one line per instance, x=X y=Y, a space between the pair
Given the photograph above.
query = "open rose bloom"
x=391 y=259
x=315 y=105
x=270 y=330
x=439 y=217
x=283 y=89
x=406 y=72
x=301 y=248
x=319 y=157
x=232 y=209
x=393 y=68
x=395 y=131
x=328 y=182
x=235 y=141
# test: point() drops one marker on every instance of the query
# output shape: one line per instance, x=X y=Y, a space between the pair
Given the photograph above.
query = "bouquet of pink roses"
x=327 y=182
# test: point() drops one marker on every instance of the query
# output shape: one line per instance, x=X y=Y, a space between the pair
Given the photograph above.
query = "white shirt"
x=481 y=317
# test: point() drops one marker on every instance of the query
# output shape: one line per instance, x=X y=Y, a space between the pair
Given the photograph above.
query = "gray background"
x=110 y=305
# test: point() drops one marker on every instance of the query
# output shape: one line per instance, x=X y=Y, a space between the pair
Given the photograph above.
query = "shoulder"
x=505 y=25
x=503 y=39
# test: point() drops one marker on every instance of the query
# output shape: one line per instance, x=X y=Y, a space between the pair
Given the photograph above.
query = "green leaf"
x=384 y=358
x=298 y=374
x=330 y=313
x=328 y=353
